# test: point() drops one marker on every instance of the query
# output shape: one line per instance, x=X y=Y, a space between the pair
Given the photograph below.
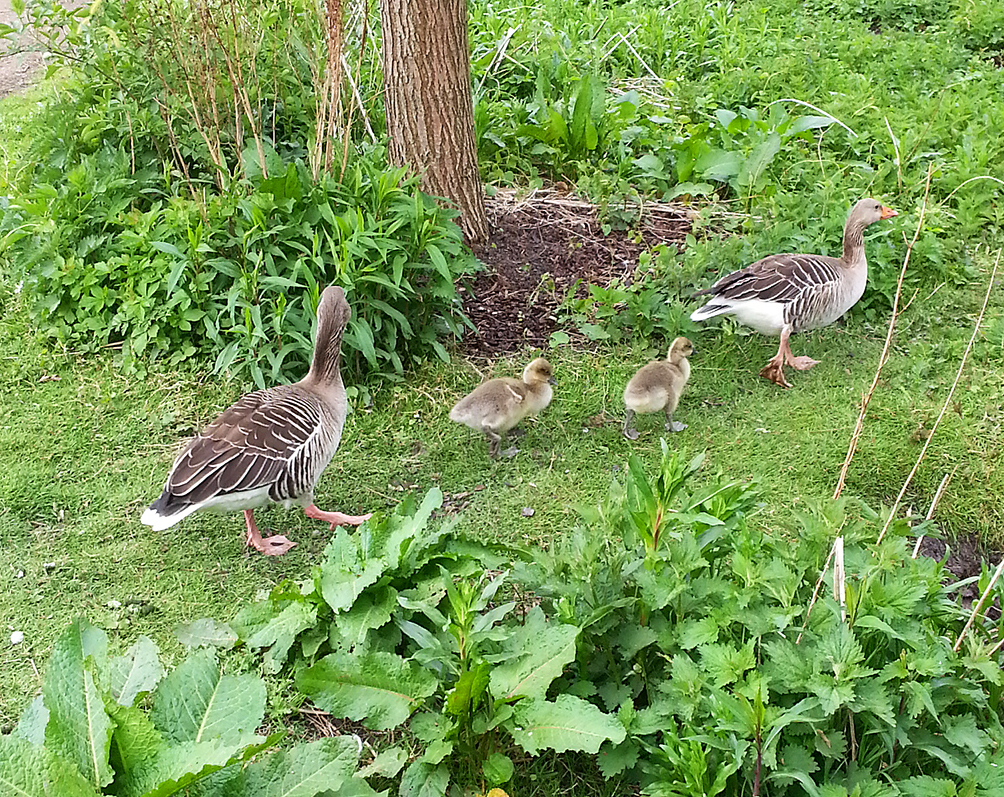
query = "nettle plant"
x=120 y=725
x=401 y=627
x=695 y=632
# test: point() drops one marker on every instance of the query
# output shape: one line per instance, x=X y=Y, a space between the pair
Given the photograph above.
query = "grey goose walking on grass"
x=782 y=294
x=269 y=447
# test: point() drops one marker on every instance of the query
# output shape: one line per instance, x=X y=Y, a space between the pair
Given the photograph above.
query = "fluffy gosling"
x=496 y=406
x=657 y=386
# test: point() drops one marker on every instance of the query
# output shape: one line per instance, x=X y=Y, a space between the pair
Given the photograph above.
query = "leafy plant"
x=88 y=734
x=695 y=630
x=400 y=624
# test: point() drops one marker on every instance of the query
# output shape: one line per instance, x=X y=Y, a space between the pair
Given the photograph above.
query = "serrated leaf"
x=927 y=786
x=306 y=770
x=180 y=765
x=134 y=743
x=196 y=703
x=206 y=632
x=569 y=723
x=615 y=759
x=539 y=651
x=424 y=780
x=377 y=687
x=138 y=671
x=79 y=729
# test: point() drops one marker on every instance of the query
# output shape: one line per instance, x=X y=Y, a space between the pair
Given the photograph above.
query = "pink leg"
x=275 y=545
x=798 y=363
x=335 y=518
x=774 y=369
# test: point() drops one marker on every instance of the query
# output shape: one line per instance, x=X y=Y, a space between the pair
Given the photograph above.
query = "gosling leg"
x=671 y=425
x=629 y=431
x=494 y=443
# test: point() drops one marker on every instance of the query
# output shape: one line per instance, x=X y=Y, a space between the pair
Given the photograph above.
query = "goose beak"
x=552 y=381
x=887 y=213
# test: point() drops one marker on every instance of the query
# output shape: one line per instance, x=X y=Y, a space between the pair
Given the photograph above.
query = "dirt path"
x=17 y=72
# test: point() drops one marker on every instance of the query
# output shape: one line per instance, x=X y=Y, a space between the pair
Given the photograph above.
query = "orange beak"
x=887 y=213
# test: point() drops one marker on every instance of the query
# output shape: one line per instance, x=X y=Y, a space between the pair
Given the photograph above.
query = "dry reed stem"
x=888 y=341
x=979 y=605
x=839 y=577
x=948 y=399
x=934 y=503
x=815 y=591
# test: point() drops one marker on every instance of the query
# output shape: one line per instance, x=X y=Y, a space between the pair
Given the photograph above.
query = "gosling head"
x=539 y=371
x=680 y=349
x=868 y=211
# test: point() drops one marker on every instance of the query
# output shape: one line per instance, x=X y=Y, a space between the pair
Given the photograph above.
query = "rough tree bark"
x=430 y=110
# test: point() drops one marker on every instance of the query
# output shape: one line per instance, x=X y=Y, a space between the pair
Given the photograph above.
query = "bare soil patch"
x=544 y=246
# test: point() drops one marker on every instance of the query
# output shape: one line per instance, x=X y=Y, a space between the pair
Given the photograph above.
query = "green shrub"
x=121 y=726
x=113 y=259
x=696 y=632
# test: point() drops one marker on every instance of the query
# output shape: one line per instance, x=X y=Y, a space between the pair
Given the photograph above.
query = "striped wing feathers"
x=779 y=278
x=247 y=447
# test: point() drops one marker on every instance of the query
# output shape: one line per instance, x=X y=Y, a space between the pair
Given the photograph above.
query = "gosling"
x=497 y=405
x=657 y=386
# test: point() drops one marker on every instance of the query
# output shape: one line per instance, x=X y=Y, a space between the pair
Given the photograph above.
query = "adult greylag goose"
x=657 y=387
x=496 y=406
x=269 y=447
x=782 y=294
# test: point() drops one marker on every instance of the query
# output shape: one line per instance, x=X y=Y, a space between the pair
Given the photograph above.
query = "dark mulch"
x=965 y=559
x=541 y=248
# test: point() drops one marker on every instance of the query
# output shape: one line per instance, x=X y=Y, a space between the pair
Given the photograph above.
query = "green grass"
x=85 y=448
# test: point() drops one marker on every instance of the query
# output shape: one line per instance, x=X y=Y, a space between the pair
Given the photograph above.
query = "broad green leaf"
x=32 y=724
x=79 y=729
x=370 y=610
x=803 y=123
x=306 y=770
x=424 y=780
x=196 y=703
x=470 y=688
x=177 y=766
x=280 y=633
x=538 y=653
x=206 y=633
x=498 y=769
x=759 y=159
x=569 y=723
x=346 y=572
x=386 y=764
x=28 y=770
x=377 y=687
x=138 y=671
x=718 y=165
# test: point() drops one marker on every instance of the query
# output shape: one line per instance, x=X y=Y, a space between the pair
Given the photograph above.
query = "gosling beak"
x=887 y=213
x=552 y=381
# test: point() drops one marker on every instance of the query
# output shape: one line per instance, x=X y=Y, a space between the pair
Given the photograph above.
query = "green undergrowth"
x=86 y=448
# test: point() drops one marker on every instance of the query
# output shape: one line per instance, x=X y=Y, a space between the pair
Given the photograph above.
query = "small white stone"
x=17 y=638
x=20 y=574
x=114 y=605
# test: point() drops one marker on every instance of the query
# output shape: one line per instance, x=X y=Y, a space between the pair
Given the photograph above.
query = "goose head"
x=867 y=211
x=680 y=348
x=539 y=372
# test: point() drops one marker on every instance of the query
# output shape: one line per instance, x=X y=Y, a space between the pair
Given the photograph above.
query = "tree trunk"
x=430 y=110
